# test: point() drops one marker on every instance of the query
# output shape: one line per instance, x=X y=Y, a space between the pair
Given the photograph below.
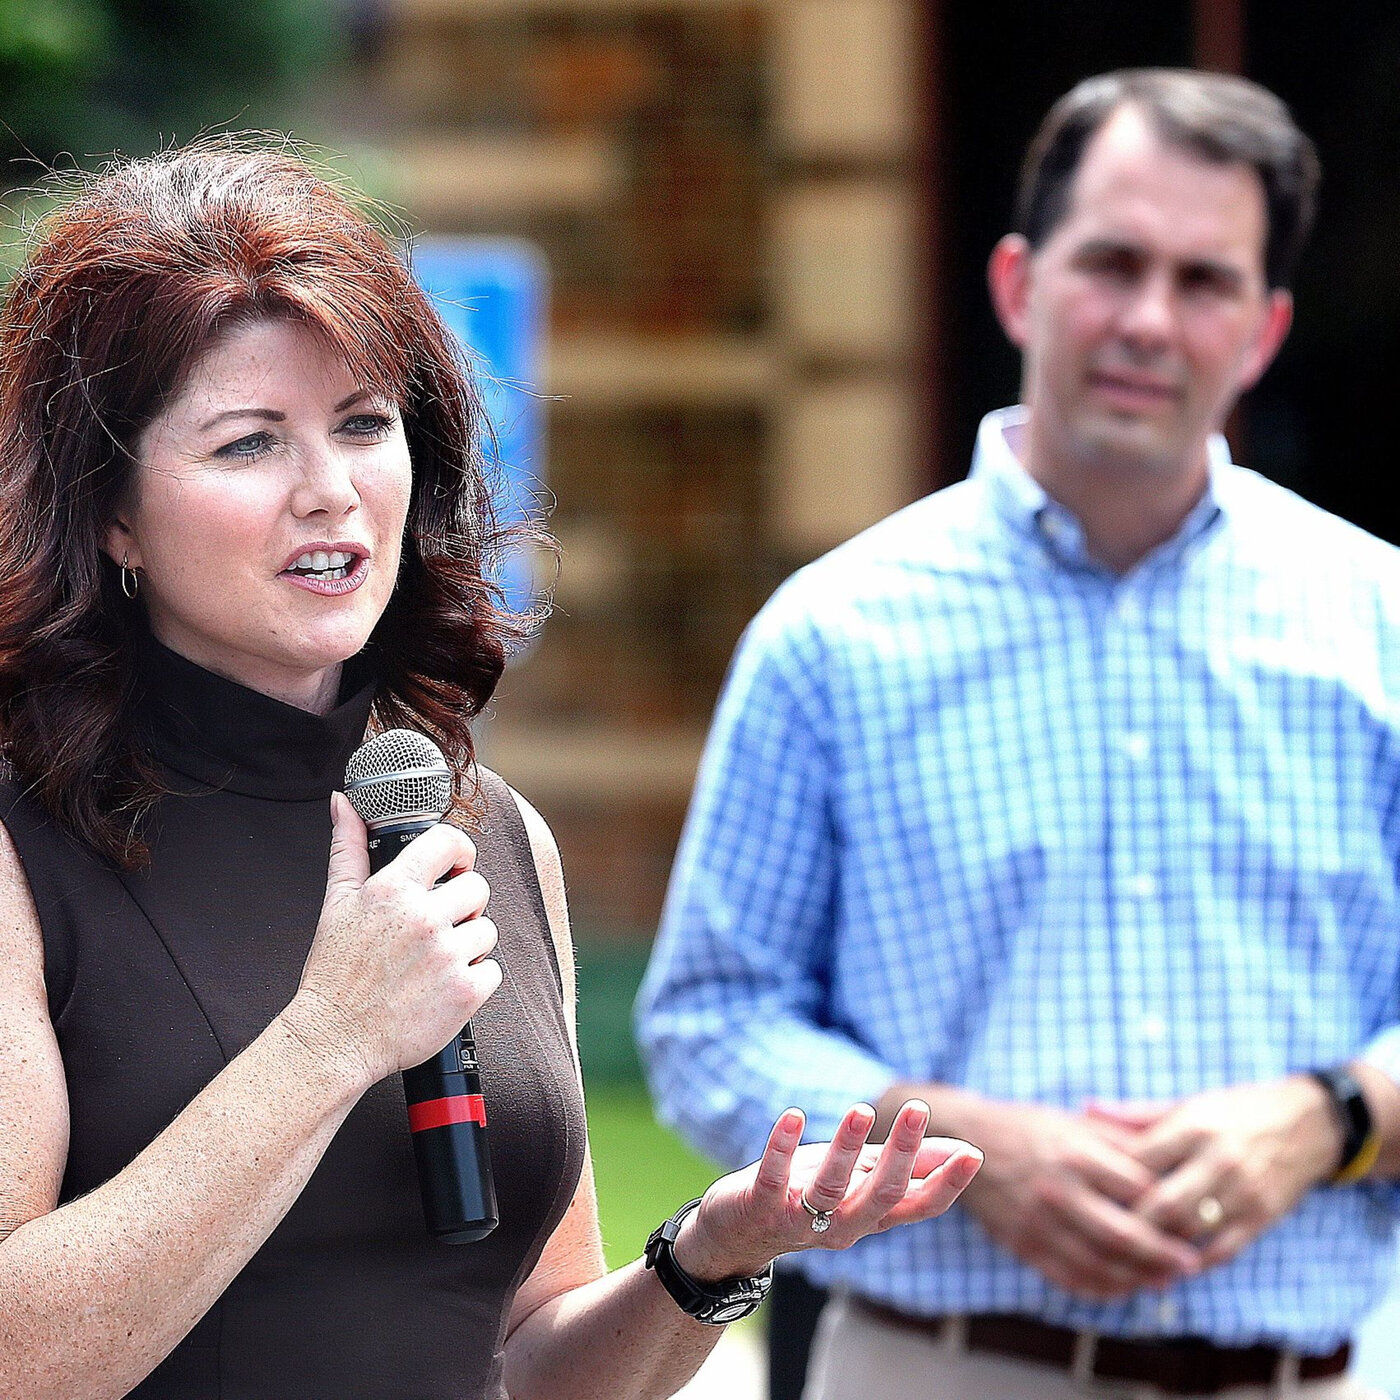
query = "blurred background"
x=763 y=225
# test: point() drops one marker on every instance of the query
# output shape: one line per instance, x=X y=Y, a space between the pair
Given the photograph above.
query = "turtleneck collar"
x=228 y=737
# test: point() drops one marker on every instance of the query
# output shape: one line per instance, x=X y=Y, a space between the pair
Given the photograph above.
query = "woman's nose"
x=325 y=485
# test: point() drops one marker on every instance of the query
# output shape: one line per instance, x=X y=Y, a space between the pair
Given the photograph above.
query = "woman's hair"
x=126 y=286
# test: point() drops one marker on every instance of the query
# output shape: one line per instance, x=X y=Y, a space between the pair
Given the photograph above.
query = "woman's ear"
x=119 y=545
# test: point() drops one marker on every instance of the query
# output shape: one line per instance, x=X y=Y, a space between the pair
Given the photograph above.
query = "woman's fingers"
x=932 y=1191
x=912 y=1177
x=474 y=939
x=462 y=897
x=862 y=1185
x=441 y=850
x=870 y=1187
x=888 y=1176
x=775 y=1166
x=827 y=1188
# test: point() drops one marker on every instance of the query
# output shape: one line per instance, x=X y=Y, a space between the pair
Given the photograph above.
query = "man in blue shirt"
x=1068 y=799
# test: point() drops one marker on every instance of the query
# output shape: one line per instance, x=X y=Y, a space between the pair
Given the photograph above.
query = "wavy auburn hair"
x=125 y=287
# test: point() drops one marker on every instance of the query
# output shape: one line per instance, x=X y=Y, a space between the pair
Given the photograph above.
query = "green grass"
x=644 y=1171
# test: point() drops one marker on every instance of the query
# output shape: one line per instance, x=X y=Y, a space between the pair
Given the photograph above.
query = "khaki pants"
x=857 y=1356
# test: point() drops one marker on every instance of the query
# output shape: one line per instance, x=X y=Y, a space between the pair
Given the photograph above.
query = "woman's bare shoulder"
x=33 y=1092
x=550 y=870
x=20 y=938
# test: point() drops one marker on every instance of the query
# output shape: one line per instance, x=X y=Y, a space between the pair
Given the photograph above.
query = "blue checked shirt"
x=976 y=810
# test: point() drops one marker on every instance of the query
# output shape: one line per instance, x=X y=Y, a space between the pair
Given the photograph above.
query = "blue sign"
x=492 y=293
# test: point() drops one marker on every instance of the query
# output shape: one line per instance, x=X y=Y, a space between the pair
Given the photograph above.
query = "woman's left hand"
x=748 y=1218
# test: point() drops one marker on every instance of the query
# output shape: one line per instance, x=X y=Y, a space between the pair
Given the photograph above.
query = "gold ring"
x=821 y=1219
x=1210 y=1212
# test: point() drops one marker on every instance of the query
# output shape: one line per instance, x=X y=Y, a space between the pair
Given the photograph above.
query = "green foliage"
x=18 y=214
x=80 y=79
x=644 y=1171
x=49 y=34
x=46 y=49
x=608 y=976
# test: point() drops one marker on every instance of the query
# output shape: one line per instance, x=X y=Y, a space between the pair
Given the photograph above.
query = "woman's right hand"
x=398 y=964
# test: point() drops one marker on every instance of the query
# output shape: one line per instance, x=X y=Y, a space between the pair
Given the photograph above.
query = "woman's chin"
x=317 y=661
x=304 y=674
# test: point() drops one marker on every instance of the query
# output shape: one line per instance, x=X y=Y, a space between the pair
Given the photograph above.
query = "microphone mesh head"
x=397 y=775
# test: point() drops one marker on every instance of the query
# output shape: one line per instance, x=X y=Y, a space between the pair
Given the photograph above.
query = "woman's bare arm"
x=653 y=1348
x=33 y=1096
x=94 y=1294
x=578 y=1333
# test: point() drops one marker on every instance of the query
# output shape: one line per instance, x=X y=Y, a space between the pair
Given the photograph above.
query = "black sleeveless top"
x=157 y=979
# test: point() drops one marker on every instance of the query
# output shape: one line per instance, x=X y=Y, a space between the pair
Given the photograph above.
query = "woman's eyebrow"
x=273 y=415
x=270 y=414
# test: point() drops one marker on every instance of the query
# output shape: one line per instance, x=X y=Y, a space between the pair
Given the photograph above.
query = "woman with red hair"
x=243 y=516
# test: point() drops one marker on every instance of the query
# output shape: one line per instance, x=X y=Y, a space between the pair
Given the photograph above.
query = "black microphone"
x=400 y=784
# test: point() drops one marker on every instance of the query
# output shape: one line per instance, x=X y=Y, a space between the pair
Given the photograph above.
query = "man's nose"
x=1148 y=316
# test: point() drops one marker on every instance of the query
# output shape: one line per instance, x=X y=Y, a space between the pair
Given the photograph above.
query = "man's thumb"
x=349 y=863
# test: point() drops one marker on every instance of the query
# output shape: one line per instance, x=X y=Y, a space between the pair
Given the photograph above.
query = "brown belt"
x=1175 y=1365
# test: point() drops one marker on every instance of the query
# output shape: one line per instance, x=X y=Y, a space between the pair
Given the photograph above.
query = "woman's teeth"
x=321 y=564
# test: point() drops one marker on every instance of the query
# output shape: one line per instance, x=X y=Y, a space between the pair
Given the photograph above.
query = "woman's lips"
x=359 y=572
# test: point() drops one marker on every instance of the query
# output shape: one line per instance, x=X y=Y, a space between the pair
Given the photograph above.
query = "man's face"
x=1146 y=311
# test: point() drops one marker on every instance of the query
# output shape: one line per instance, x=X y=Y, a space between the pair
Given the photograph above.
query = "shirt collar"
x=209 y=728
x=1024 y=505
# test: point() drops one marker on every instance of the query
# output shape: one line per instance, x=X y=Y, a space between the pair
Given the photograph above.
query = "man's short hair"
x=1216 y=116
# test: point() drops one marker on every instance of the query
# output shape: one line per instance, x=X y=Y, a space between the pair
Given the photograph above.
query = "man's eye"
x=1207 y=281
x=246 y=449
x=1119 y=266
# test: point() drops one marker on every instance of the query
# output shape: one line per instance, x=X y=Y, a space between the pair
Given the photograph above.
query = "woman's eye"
x=369 y=425
x=247 y=449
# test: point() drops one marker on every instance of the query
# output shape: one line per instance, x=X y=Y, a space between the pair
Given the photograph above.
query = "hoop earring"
x=131 y=580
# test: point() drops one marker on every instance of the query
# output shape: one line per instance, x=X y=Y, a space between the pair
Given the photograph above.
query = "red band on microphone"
x=438 y=1113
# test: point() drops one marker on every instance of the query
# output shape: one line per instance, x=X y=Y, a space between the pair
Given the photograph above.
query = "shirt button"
x=1143 y=886
x=1136 y=746
x=1128 y=608
x=1168 y=1312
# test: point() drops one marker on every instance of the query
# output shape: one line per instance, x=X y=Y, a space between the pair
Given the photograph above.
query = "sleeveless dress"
x=156 y=979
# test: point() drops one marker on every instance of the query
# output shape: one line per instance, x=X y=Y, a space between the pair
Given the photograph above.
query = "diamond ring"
x=821 y=1219
x=1210 y=1212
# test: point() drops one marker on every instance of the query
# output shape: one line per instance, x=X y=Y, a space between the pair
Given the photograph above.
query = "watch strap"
x=1361 y=1144
x=715 y=1303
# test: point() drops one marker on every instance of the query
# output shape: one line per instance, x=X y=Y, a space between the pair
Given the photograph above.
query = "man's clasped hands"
x=1123 y=1197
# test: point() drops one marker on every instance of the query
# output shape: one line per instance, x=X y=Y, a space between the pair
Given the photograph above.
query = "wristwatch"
x=715 y=1303
x=1361 y=1143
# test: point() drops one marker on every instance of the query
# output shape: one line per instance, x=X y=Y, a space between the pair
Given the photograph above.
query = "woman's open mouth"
x=330 y=571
